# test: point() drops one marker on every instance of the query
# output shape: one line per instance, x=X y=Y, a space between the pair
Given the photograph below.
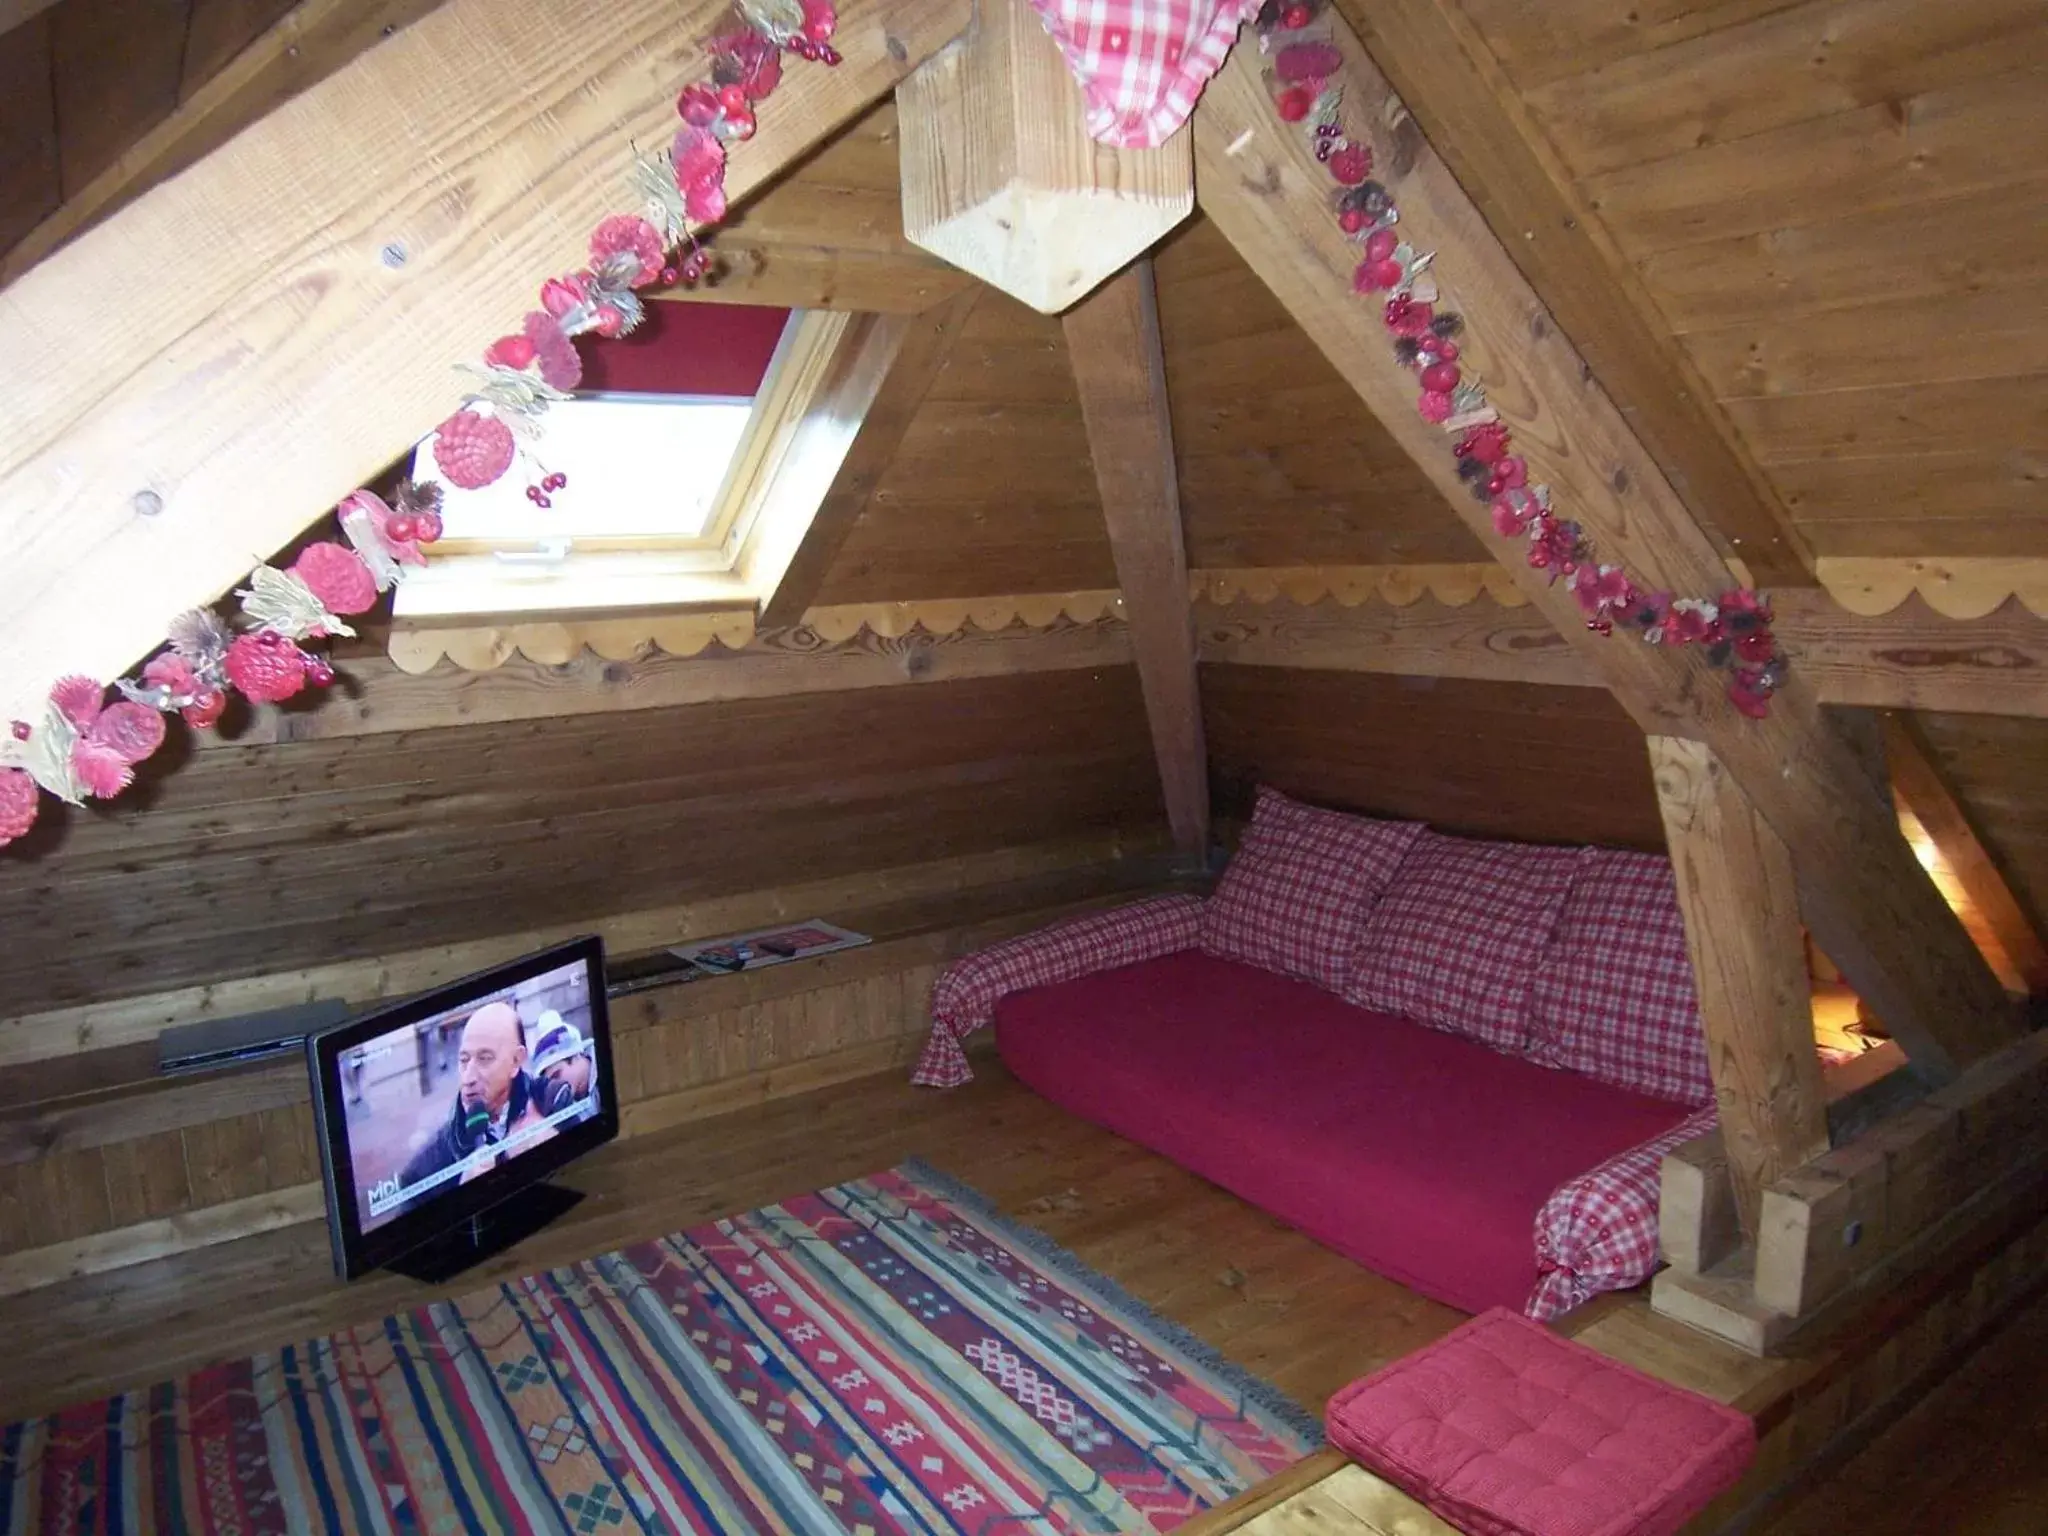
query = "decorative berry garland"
x=86 y=747
x=1735 y=628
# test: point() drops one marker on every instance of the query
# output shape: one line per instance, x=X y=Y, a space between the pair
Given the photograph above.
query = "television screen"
x=439 y=1107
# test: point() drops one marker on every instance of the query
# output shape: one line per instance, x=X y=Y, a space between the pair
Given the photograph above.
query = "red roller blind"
x=687 y=349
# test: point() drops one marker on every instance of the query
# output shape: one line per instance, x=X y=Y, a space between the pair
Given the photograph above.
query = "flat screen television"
x=441 y=1116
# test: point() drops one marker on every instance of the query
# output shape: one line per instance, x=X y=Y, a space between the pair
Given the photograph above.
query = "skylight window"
x=639 y=467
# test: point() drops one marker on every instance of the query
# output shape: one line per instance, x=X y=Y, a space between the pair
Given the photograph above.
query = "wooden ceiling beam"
x=823 y=277
x=1449 y=78
x=14 y=12
x=1921 y=788
x=1864 y=896
x=1120 y=374
x=870 y=405
x=307 y=44
x=1909 y=658
x=1741 y=905
x=313 y=281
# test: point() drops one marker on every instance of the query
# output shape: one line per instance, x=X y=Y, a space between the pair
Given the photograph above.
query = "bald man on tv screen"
x=496 y=1097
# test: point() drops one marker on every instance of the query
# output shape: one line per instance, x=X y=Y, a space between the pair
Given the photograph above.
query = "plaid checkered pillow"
x=964 y=997
x=1598 y=1232
x=1295 y=898
x=1455 y=941
x=1614 y=996
x=1142 y=63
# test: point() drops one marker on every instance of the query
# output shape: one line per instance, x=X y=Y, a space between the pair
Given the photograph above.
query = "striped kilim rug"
x=884 y=1356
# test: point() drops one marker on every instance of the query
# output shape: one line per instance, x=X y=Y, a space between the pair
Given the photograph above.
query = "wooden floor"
x=1267 y=1297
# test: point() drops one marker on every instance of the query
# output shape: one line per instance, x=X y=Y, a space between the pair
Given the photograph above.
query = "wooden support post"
x=312 y=282
x=1741 y=905
x=1120 y=371
x=876 y=402
x=1866 y=899
x=1921 y=789
x=1001 y=178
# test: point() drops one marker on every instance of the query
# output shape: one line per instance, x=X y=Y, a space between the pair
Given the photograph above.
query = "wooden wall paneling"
x=1892 y=420
x=117 y=65
x=918 y=356
x=241 y=59
x=238 y=855
x=537 y=179
x=1788 y=66
x=1448 y=77
x=1923 y=790
x=1113 y=342
x=30 y=181
x=1741 y=903
x=991 y=490
x=1894 y=151
x=1483 y=759
x=1279 y=462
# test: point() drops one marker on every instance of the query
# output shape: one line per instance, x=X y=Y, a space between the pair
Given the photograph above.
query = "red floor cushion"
x=1420 y=1154
x=1506 y=1429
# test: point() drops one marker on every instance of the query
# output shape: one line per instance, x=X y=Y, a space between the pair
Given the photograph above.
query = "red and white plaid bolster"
x=1142 y=63
x=964 y=997
x=1598 y=1232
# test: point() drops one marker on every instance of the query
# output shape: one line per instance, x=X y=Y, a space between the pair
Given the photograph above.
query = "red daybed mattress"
x=1423 y=1156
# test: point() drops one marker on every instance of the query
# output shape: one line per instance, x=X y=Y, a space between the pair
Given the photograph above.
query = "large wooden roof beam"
x=1120 y=373
x=313 y=282
x=1864 y=896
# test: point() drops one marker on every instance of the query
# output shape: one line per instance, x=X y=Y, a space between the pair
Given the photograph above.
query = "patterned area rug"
x=885 y=1356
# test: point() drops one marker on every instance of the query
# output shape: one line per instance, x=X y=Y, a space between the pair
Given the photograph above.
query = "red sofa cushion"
x=1613 y=996
x=1419 y=1154
x=1503 y=1427
x=1455 y=940
x=1298 y=892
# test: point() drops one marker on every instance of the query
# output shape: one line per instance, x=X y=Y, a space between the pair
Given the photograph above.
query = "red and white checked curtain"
x=1142 y=63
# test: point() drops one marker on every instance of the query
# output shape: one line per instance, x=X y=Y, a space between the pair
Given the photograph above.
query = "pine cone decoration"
x=266 y=666
x=472 y=451
x=337 y=576
x=19 y=802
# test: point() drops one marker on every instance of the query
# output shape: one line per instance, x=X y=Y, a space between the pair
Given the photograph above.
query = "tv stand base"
x=485 y=1234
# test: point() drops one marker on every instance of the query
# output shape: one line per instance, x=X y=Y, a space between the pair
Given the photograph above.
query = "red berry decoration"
x=471 y=451
x=1374 y=276
x=1295 y=103
x=1441 y=376
x=1351 y=220
x=337 y=576
x=1351 y=164
x=318 y=672
x=1295 y=17
x=513 y=352
x=21 y=730
x=403 y=528
x=1434 y=406
x=733 y=98
x=1379 y=245
x=265 y=666
x=19 y=802
x=205 y=710
x=426 y=527
x=625 y=234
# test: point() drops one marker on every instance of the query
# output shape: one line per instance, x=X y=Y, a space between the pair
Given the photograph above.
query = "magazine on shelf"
x=769 y=946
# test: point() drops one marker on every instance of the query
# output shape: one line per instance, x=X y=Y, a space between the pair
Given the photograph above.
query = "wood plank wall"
x=1517 y=760
x=1997 y=768
x=229 y=863
x=1835 y=206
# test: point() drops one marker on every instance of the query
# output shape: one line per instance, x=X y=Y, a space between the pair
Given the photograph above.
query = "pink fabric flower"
x=77 y=699
x=561 y=365
x=626 y=234
x=172 y=673
x=19 y=802
x=102 y=771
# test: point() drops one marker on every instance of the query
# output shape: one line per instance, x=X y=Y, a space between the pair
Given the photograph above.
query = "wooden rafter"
x=305 y=305
x=14 y=12
x=1445 y=72
x=1120 y=373
x=307 y=43
x=1923 y=790
x=1864 y=896
x=1741 y=905
x=872 y=405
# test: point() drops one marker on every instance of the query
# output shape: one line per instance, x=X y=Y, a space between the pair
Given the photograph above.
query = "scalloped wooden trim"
x=1452 y=585
x=1961 y=588
x=487 y=647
